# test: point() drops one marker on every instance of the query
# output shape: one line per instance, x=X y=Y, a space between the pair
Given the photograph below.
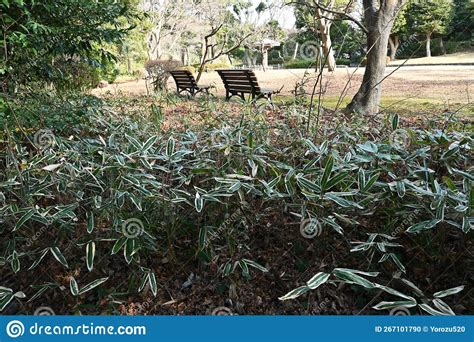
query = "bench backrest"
x=184 y=79
x=239 y=80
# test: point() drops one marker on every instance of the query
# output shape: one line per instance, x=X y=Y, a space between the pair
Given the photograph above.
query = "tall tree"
x=378 y=19
x=169 y=21
x=429 y=17
x=318 y=16
x=461 y=26
x=221 y=33
x=399 y=28
x=37 y=34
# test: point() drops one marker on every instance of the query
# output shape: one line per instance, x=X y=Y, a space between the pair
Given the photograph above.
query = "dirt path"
x=441 y=83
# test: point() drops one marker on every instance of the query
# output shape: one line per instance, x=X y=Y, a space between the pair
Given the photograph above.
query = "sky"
x=284 y=14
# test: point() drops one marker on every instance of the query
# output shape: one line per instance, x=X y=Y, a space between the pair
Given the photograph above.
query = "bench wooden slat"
x=239 y=82
x=185 y=81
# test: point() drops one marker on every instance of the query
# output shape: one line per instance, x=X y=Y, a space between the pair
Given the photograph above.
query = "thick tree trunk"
x=324 y=32
x=379 y=24
x=394 y=43
x=428 y=45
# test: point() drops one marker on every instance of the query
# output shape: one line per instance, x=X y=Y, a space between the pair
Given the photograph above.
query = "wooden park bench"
x=185 y=81
x=239 y=82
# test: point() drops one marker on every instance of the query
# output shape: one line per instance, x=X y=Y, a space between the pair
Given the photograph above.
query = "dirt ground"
x=436 y=83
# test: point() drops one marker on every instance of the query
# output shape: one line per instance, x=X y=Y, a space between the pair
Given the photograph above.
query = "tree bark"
x=379 y=22
x=295 y=52
x=325 y=22
x=394 y=43
x=264 y=58
x=428 y=45
x=441 y=44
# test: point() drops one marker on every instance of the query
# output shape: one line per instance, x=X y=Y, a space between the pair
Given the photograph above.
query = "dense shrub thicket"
x=120 y=191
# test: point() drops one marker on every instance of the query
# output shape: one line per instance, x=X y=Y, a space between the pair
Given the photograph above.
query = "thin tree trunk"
x=324 y=32
x=428 y=45
x=441 y=44
x=394 y=43
x=264 y=59
x=295 y=52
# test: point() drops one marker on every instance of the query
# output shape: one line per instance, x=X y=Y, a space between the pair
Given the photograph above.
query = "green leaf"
x=5 y=300
x=90 y=254
x=371 y=182
x=397 y=262
x=92 y=285
x=198 y=202
x=170 y=146
x=74 y=287
x=90 y=222
x=145 y=280
x=342 y=201
x=396 y=293
x=305 y=183
x=448 y=292
x=255 y=265
x=203 y=238
x=118 y=245
x=15 y=262
x=24 y=218
x=350 y=277
x=37 y=261
x=391 y=305
x=59 y=256
x=295 y=293
x=149 y=143
x=431 y=311
x=395 y=121
x=336 y=180
x=129 y=250
x=317 y=280
x=245 y=269
x=153 y=284
x=443 y=307
x=327 y=172
x=418 y=227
